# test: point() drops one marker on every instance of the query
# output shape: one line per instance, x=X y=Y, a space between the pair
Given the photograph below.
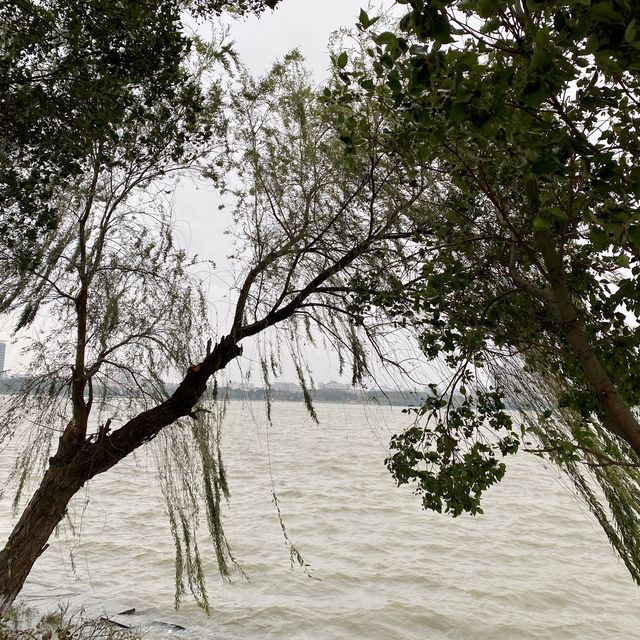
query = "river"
x=535 y=565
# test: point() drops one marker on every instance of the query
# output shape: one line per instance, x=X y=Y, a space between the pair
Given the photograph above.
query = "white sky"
x=305 y=24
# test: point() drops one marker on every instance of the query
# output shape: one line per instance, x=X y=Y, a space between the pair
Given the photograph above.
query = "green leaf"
x=630 y=32
x=342 y=60
x=623 y=261
x=368 y=84
x=634 y=235
x=491 y=25
x=540 y=224
x=559 y=20
x=599 y=238
x=365 y=21
x=385 y=38
x=605 y=12
x=545 y=165
x=488 y=8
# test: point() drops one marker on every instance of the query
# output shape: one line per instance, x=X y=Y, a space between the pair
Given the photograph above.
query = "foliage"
x=120 y=303
x=240 y=7
x=446 y=454
x=305 y=210
x=526 y=115
x=77 y=73
x=125 y=311
x=104 y=106
x=115 y=305
x=192 y=475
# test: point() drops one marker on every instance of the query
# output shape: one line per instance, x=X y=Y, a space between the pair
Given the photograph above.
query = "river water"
x=534 y=566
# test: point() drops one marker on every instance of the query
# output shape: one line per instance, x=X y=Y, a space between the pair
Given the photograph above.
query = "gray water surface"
x=534 y=566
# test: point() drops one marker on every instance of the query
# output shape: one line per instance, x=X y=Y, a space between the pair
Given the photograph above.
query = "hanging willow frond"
x=194 y=485
x=603 y=470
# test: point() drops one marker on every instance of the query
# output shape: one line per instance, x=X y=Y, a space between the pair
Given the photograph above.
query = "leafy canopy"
x=71 y=72
x=527 y=116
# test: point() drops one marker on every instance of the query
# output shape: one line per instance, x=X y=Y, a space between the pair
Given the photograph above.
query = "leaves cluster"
x=526 y=115
x=75 y=73
x=452 y=453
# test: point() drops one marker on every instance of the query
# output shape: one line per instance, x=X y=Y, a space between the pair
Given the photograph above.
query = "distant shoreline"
x=14 y=384
x=331 y=396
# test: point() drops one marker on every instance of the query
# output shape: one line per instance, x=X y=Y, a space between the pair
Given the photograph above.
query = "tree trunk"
x=28 y=539
x=76 y=462
x=620 y=418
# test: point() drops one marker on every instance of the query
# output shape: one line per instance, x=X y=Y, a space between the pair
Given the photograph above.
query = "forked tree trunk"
x=28 y=539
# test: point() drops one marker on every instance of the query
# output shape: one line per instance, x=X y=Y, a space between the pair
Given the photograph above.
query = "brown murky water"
x=534 y=566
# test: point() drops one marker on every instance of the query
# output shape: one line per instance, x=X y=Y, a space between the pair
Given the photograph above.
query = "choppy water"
x=534 y=566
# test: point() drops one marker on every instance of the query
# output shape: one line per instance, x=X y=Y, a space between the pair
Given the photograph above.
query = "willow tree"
x=124 y=309
x=527 y=114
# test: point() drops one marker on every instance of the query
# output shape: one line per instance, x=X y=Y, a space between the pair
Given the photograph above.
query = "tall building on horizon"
x=3 y=350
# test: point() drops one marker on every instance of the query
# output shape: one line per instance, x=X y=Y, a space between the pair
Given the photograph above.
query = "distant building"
x=290 y=387
x=3 y=351
x=337 y=386
x=240 y=386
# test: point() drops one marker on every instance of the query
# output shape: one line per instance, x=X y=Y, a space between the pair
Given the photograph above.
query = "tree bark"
x=79 y=458
x=28 y=540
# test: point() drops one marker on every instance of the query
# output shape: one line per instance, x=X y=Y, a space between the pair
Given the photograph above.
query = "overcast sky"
x=305 y=24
